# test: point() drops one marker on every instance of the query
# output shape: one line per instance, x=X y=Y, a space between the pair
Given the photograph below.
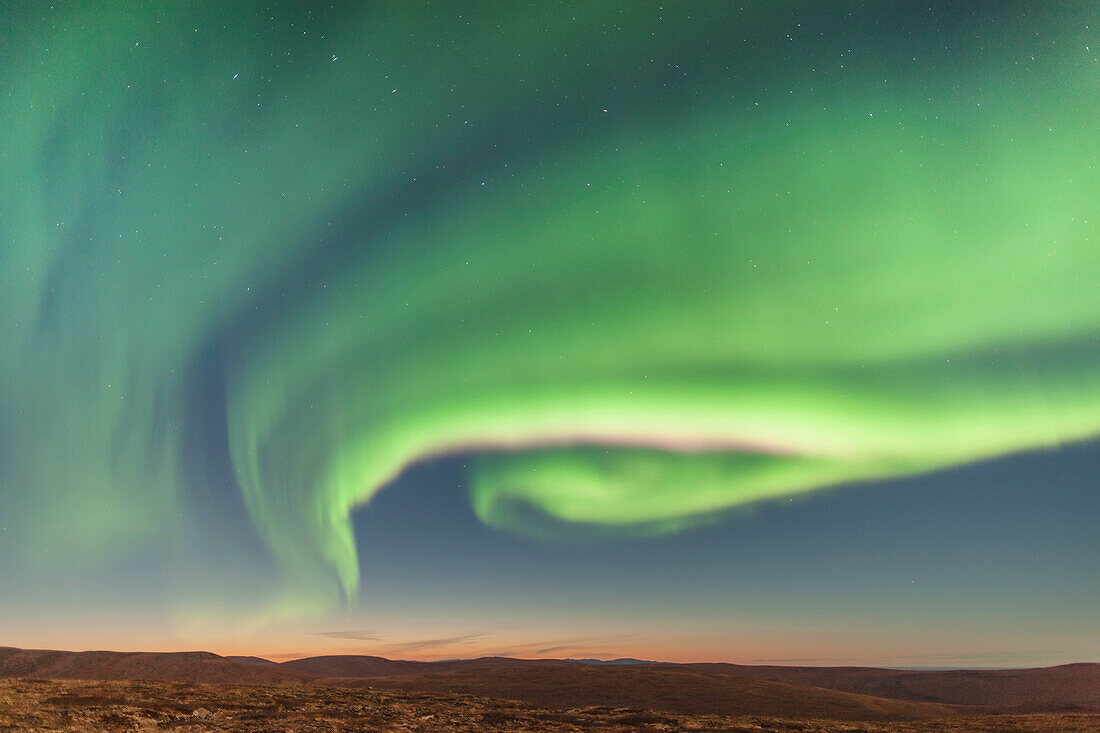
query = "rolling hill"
x=838 y=693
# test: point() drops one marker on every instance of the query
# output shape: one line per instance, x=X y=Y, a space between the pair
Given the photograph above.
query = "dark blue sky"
x=976 y=555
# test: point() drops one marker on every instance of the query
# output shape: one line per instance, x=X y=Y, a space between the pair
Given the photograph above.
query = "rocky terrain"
x=101 y=690
x=70 y=705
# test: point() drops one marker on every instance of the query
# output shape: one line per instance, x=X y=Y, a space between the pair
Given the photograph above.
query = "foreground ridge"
x=803 y=693
x=73 y=705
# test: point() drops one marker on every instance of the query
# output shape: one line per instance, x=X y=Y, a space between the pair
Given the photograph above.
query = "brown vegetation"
x=1065 y=688
x=663 y=688
x=53 y=705
x=548 y=695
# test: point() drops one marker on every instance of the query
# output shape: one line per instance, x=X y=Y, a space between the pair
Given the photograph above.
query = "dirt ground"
x=49 y=705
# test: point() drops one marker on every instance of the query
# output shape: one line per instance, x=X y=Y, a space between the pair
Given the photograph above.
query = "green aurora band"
x=642 y=266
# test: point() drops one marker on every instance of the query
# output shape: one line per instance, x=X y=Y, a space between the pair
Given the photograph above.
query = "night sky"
x=696 y=332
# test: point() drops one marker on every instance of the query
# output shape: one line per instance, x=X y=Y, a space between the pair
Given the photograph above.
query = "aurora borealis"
x=624 y=270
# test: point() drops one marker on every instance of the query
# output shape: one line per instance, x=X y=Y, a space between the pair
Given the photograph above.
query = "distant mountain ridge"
x=163 y=666
x=844 y=693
